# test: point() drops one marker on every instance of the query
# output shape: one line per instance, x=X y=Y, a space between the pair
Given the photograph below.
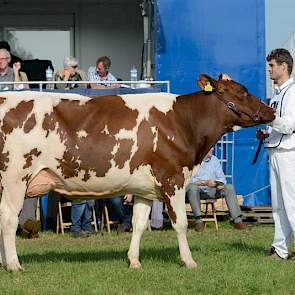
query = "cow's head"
x=245 y=109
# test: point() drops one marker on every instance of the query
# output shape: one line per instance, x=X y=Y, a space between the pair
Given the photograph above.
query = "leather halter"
x=231 y=106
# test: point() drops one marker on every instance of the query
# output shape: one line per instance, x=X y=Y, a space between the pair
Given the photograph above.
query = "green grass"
x=229 y=262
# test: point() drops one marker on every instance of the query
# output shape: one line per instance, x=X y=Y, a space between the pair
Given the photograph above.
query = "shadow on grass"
x=165 y=254
x=244 y=247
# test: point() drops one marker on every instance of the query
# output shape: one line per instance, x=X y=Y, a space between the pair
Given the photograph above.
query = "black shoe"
x=199 y=227
x=30 y=229
x=123 y=228
x=80 y=234
x=240 y=226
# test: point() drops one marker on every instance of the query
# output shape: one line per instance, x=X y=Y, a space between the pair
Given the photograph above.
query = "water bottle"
x=133 y=77
x=49 y=77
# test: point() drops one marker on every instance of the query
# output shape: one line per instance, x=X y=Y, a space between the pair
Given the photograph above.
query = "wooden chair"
x=62 y=225
x=209 y=211
x=105 y=219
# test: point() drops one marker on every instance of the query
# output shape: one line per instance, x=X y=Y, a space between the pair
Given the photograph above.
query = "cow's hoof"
x=191 y=264
x=14 y=267
x=135 y=264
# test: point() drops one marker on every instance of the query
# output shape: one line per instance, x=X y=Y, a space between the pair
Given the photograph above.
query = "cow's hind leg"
x=177 y=213
x=10 y=206
x=141 y=212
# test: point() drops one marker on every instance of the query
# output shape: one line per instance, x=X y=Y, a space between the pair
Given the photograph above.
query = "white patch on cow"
x=76 y=147
x=195 y=170
x=12 y=99
x=82 y=134
x=115 y=149
x=105 y=130
x=155 y=137
x=187 y=174
x=144 y=102
x=178 y=204
x=236 y=128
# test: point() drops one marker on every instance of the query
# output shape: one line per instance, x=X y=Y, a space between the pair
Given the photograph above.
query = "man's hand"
x=261 y=134
x=127 y=199
x=220 y=186
x=210 y=183
x=16 y=66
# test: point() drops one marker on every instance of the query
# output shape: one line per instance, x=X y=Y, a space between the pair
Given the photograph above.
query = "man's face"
x=276 y=71
x=101 y=70
x=4 y=61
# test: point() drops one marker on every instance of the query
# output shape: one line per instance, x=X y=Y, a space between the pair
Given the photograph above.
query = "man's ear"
x=206 y=83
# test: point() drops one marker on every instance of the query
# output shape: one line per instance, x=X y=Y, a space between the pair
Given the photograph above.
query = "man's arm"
x=286 y=123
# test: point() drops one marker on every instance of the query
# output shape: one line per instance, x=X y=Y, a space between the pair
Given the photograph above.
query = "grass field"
x=229 y=262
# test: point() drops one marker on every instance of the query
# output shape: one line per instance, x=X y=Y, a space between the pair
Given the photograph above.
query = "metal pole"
x=149 y=43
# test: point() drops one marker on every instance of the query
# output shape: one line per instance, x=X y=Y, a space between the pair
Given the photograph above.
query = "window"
x=41 y=44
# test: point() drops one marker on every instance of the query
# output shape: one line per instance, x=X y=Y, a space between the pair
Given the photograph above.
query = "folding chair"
x=62 y=225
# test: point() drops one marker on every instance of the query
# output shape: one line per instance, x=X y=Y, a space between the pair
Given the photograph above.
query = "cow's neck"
x=209 y=124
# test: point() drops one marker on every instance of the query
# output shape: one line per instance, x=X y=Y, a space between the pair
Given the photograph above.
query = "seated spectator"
x=122 y=212
x=210 y=182
x=70 y=73
x=81 y=216
x=14 y=59
x=8 y=74
x=101 y=73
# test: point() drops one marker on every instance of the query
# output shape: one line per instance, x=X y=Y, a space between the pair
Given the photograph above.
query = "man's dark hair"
x=281 y=55
x=5 y=45
x=105 y=61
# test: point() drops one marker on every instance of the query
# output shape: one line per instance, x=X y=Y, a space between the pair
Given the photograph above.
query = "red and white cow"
x=144 y=144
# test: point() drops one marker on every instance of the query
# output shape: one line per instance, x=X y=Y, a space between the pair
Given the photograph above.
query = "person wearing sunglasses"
x=70 y=74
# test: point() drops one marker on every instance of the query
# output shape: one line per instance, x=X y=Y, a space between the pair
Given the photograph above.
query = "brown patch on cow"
x=168 y=160
x=94 y=151
x=15 y=118
x=27 y=178
x=2 y=100
x=144 y=155
x=86 y=176
x=30 y=124
x=29 y=157
x=4 y=157
x=48 y=123
x=124 y=152
x=171 y=212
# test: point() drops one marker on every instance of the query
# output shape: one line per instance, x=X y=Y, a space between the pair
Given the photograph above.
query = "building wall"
x=112 y=28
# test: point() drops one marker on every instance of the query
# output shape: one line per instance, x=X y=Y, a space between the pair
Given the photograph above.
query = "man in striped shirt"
x=101 y=73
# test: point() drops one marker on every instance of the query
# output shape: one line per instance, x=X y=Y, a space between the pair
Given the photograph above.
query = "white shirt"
x=281 y=133
x=93 y=76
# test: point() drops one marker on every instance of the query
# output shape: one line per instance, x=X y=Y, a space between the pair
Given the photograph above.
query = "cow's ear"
x=221 y=87
x=206 y=83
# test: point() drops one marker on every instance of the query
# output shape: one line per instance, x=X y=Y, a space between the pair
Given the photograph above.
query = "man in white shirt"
x=101 y=73
x=279 y=139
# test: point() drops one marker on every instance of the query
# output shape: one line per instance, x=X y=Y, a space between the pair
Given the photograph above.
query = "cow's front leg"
x=10 y=206
x=177 y=213
x=141 y=212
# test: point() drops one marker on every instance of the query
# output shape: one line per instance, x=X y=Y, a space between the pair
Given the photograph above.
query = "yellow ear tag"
x=208 y=87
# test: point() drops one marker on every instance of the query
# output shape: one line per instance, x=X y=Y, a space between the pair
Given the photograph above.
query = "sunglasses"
x=75 y=67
